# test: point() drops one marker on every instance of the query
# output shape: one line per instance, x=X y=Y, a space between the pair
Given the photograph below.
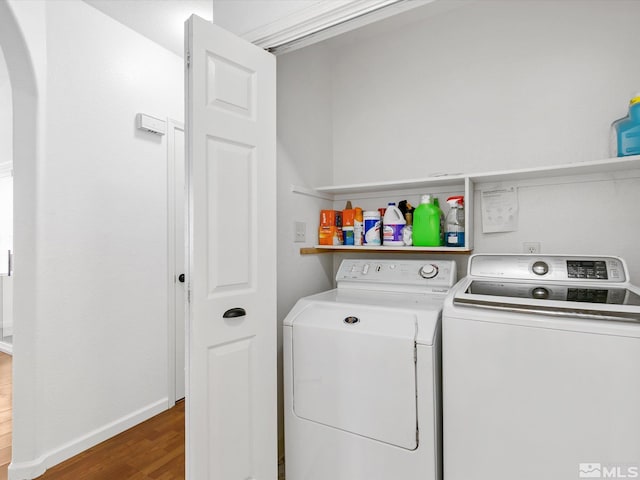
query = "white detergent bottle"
x=393 y=223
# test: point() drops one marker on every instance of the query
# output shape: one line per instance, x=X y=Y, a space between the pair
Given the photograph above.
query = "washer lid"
x=568 y=299
x=425 y=310
x=354 y=369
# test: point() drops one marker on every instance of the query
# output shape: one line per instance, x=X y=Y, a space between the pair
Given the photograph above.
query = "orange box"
x=348 y=216
x=330 y=235
x=330 y=218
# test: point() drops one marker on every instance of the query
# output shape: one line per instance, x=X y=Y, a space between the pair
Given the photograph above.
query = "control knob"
x=540 y=268
x=429 y=270
x=540 y=293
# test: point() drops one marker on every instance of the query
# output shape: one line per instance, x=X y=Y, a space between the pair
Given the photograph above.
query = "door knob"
x=234 y=313
x=181 y=278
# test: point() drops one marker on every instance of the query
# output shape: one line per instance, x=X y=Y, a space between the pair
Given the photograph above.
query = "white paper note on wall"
x=500 y=210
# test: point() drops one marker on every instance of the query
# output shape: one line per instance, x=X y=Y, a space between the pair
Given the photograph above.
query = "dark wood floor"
x=153 y=450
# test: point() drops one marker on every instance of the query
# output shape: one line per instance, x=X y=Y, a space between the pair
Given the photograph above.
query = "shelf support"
x=309 y=192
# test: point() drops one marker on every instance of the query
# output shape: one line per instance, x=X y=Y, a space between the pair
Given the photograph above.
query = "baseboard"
x=34 y=468
x=6 y=348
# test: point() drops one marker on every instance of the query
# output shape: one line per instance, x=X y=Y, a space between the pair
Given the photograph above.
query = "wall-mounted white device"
x=151 y=124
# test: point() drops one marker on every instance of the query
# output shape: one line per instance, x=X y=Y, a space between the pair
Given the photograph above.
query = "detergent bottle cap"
x=635 y=98
x=426 y=198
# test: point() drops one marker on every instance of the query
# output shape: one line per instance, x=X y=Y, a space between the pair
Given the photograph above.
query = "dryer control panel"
x=428 y=276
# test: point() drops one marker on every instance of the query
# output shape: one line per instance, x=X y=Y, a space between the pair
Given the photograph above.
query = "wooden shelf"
x=380 y=249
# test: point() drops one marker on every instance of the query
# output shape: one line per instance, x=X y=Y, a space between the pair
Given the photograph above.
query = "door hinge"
x=415 y=353
x=188 y=59
x=188 y=296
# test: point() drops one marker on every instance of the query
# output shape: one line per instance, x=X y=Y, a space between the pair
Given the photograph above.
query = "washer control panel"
x=591 y=269
x=415 y=275
x=567 y=268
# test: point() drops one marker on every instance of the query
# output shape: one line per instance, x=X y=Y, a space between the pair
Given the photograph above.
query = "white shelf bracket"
x=309 y=192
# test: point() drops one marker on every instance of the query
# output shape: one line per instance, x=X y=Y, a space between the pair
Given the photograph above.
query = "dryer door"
x=354 y=369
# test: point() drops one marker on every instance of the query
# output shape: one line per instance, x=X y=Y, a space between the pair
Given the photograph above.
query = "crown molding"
x=324 y=20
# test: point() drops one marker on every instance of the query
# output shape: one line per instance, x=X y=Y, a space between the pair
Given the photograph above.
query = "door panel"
x=231 y=393
x=230 y=86
x=231 y=385
x=231 y=175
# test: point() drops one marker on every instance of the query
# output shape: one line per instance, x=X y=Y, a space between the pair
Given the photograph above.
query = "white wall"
x=496 y=85
x=6 y=165
x=6 y=306
x=95 y=344
x=22 y=36
x=6 y=112
x=6 y=216
x=595 y=216
x=491 y=85
x=304 y=159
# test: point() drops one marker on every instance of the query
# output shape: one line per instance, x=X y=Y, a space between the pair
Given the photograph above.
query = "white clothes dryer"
x=541 y=370
x=362 y=374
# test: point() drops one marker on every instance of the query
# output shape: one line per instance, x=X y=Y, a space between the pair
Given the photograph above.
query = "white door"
x=231 y=178
x=177 y=268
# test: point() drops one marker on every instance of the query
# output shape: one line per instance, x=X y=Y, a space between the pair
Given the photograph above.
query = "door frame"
x=172 y=273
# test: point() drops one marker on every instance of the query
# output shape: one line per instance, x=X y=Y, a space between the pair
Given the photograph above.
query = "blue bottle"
x=625 y=131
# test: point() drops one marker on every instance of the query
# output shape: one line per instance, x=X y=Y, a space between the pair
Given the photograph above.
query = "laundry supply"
x=348 y=236
x=407 y=232
x=329 y=236
x=348 y=220
x=625 y=132
x=426 y=224
x=358 y=227
x=330 y=218
x=348 y=216
x=454 y=225
x=392 y=224
x=381 y=211
x=330 y=229
x=436 y=202
x=371 y=227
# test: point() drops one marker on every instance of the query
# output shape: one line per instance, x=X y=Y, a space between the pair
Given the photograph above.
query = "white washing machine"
x=541 y=370
x=362 y=374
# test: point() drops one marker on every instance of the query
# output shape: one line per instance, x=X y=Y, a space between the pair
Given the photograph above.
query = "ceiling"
x=163 y=20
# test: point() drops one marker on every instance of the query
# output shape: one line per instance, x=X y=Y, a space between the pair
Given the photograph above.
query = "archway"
x=26 y=148
x=6 y=212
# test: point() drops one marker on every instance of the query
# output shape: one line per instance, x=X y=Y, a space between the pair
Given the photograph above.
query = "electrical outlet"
x=300 y=232
x=531 y=247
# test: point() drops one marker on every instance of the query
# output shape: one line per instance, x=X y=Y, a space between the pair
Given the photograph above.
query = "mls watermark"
x=601 y=470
